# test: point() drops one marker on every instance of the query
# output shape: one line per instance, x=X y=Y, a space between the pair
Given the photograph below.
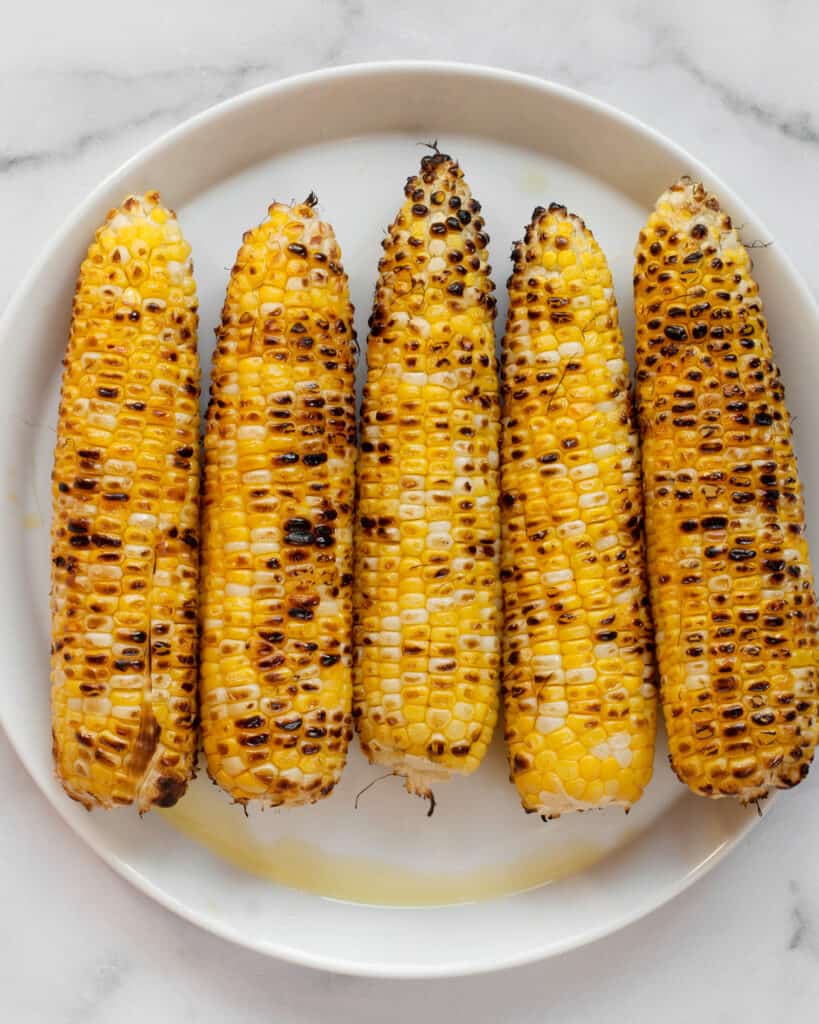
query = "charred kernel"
x=317 y=459
x=104 y=541
x=254 y=739
x=251 y=722
x=290 y=726
x=324 y=536
x=298 y=531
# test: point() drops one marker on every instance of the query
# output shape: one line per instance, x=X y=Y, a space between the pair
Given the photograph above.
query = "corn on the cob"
x=427 y=530
x=578 y=671
x=731 y=584
x=277 y=518
x=125 y=524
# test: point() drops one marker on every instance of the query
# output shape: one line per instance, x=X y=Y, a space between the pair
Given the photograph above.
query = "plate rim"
x=225 y=108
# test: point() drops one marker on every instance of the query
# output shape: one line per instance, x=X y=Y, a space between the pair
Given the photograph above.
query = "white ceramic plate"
x=381 y=890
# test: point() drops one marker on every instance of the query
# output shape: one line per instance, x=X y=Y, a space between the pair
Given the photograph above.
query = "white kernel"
x=420 y=323
x=549 y=357
x=440 y=542
x=415 y=616
x=595 y=500
x=250 y=431
x=544 y=724
x=584 y=472
x=573 y=529
x=97 y=706
x=576 y=676
x=176 y=271
x=409 y=512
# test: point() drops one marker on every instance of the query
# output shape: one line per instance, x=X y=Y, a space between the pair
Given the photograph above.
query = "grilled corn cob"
x=427 y=531
x=731 y=584
x=277 y=517
x=125 y=524
x=578 y=680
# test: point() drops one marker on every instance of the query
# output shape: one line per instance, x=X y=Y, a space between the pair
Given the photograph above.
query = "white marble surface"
x=82 y=86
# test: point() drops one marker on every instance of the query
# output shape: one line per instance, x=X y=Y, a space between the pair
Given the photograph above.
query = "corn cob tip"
x=137 y=204
x=692 y=209
x=434 y=166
